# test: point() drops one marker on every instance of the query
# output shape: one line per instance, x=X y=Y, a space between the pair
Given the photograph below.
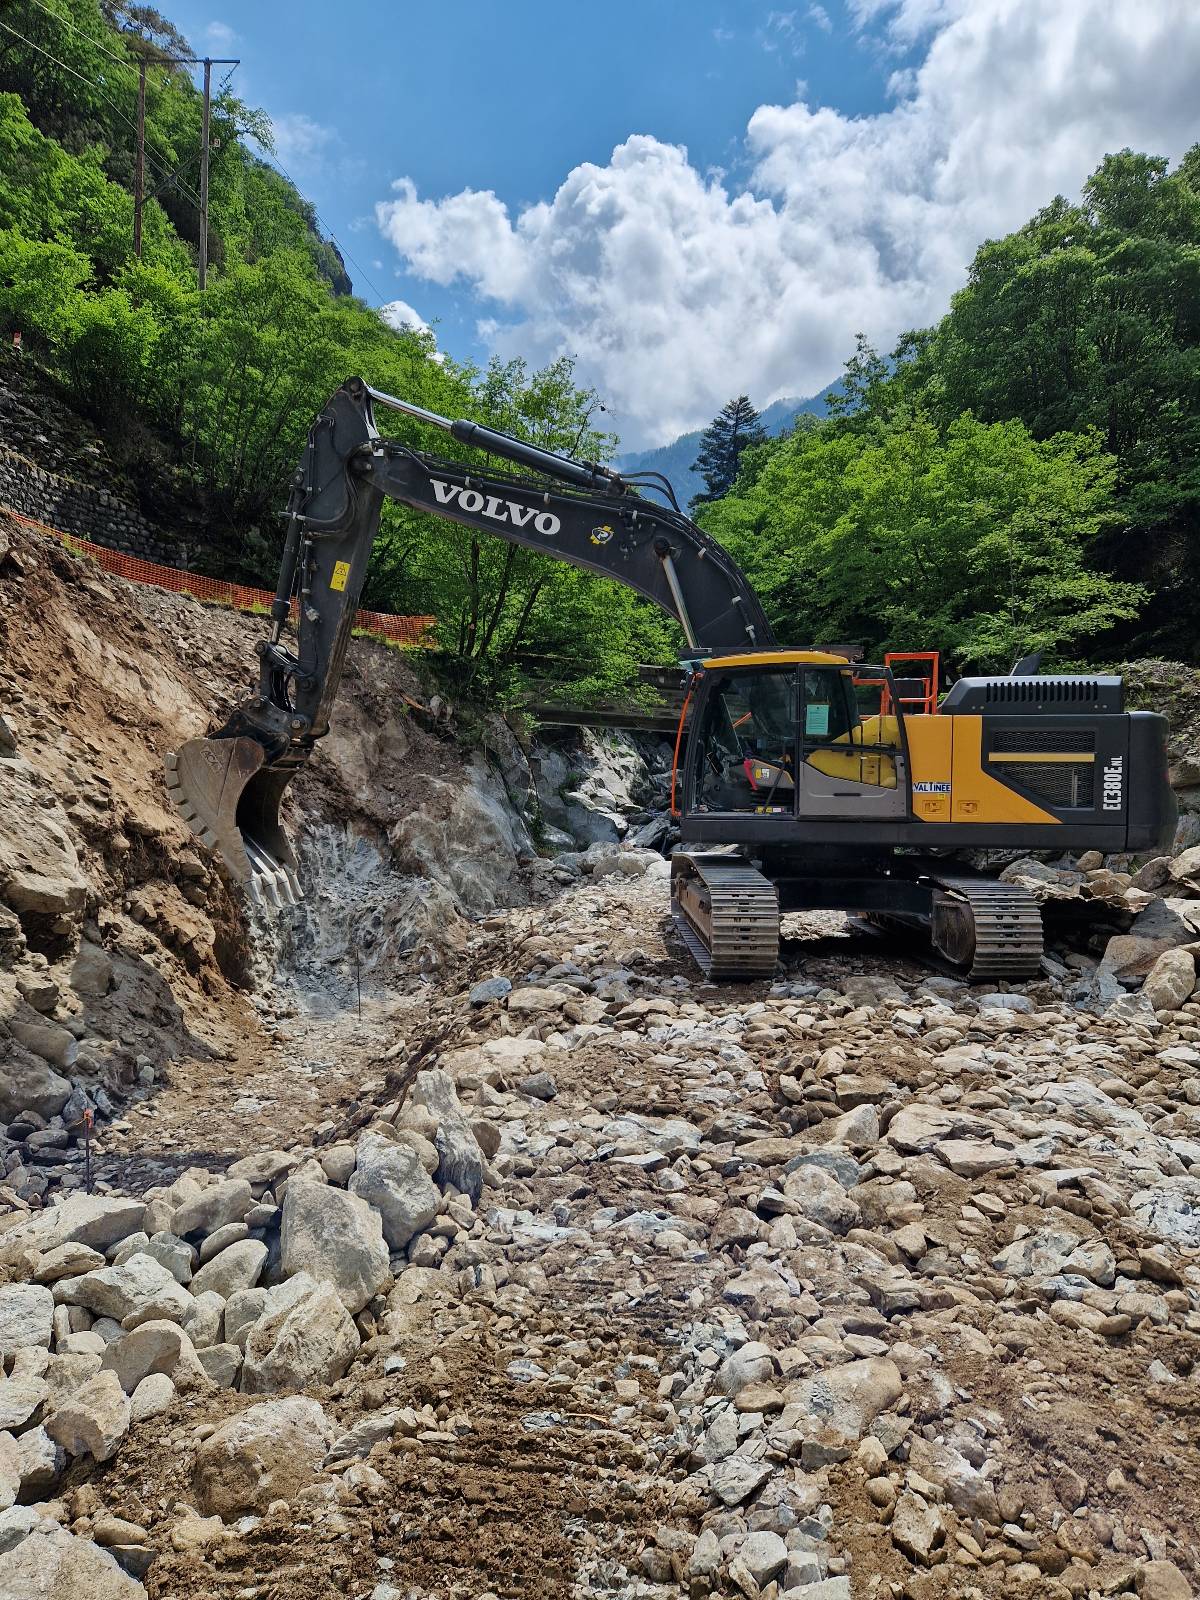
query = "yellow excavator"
x=802 y=779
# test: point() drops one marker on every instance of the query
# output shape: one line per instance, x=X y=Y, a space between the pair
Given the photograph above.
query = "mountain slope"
x=674 y=460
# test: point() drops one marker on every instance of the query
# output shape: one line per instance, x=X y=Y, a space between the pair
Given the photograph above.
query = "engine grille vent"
x=1063 y=741
x=1064 y=784
x=1042 y=691
x=1023 y=697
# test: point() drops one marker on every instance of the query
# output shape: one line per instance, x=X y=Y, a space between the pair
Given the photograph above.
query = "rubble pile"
x=552 y=1270
x=869 y=1284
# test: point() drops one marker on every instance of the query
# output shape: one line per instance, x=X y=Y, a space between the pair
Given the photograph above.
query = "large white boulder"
x=26 y=1317
x=236 y=1267
x=91 y=1219
x=153 y=1347
x=335 y=1237
x=140 y=1287
x=93 y=1420
x=461 y=1159
x=304 y=1338
x=213 y=1208
x=1170 y=980
x=846 y=1399
x=390 y=1177
x=56 y=1565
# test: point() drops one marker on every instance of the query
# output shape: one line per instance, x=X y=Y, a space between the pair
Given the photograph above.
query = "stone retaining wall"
x=80 y=509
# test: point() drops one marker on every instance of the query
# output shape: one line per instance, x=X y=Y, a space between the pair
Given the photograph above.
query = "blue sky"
x=516 y=173
x=484 y=95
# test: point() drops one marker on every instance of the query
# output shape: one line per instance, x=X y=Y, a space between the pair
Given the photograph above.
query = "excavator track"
x=993 y=930
x=727 y=914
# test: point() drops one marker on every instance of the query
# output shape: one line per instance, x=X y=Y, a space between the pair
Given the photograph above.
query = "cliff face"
x=124 y=946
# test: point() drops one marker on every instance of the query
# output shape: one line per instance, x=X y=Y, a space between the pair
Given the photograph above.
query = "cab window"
x=747 y=743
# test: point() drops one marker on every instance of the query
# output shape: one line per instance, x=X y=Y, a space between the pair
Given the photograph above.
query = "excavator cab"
x=789 y=736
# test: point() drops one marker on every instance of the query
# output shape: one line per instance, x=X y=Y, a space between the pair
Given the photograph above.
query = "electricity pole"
x=139 y=173
x=139 y=179
x=204 y=174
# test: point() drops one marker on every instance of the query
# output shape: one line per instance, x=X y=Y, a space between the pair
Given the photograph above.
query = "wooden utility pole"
x=139 y=171
x=204 y=174
x=139 y=178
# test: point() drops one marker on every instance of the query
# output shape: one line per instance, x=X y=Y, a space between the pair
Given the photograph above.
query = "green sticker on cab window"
x=816 y=719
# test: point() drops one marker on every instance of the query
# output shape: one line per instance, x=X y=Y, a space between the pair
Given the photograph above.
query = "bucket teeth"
x=228 y=794
x=275 y=882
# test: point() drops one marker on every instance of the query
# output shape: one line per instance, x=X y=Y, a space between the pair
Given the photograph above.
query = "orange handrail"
x=927 y=701
x=687 y=700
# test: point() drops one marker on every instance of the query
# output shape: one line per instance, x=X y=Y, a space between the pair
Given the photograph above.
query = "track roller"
x=993 y=930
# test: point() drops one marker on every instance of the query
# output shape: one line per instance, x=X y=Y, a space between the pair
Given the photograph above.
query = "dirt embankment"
x=123 y=945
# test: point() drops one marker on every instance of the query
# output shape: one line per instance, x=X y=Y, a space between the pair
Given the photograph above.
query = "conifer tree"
x=721 y=444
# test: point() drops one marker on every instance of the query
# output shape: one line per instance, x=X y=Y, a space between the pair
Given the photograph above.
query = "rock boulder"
x=269 y=1451
x=304 y=1337
x=336 y=1237
x=57 y=1566
x=390 y=1178
x=93 y=1420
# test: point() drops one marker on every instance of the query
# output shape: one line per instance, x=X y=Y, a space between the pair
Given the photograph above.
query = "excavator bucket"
x=229 y=797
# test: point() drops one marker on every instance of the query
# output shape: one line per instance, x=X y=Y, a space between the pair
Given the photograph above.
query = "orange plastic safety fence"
x=402 y=630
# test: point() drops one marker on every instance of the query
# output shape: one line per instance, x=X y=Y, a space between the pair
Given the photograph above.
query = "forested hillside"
x=1026 y=474
x=215 y=390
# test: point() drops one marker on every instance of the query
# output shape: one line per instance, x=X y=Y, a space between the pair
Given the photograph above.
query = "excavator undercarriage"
x=728 y=914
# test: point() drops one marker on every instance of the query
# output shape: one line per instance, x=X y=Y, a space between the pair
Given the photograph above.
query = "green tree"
x=209 y=396
x=154 y=35
x=975 y=543
x=1089 y=317
x=735 y=428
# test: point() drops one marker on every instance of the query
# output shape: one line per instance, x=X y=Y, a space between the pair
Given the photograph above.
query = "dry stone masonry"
x=76 y=508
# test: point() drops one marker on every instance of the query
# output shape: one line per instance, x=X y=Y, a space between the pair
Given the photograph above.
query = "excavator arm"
x=228 y=787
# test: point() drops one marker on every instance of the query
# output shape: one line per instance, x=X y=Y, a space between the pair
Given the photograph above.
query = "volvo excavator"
x=802 y=779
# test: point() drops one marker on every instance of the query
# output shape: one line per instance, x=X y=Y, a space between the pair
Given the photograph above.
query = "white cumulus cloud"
x=300 y=139
x=675 y=289
x=220 y=36
x=399 y=314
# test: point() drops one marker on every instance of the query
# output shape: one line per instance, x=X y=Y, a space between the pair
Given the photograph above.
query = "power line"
x=140 y=67
x=159 y=59
x=91 y=39
x=173 y=177
x=342 y=249
x=92 y=84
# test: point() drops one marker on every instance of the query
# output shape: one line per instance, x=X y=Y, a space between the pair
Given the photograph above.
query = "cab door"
x=853 y=760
